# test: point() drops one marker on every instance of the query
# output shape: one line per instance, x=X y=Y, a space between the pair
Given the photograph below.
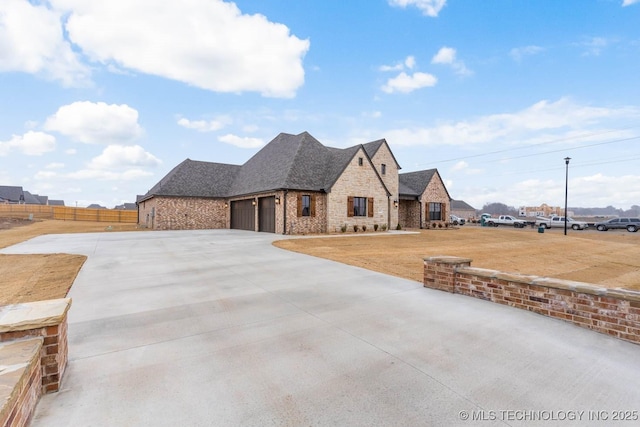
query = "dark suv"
x=631 y=224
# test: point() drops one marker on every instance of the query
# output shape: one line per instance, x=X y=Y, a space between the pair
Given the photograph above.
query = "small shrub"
x=433 y=225
x=364 y=228
x=446 y=225
x=355 y=228
x=439 y=225
x=384 y=227
x=375 y=227
x=398 y=227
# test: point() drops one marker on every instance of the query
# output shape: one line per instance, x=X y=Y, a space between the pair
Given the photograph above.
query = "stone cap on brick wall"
x=569 y=285
x=446 y=259
x=15 y=359
x=33 y=315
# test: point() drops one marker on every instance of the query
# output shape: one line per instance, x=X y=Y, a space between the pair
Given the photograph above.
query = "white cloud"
x=241 y=142
x=96 y=123
x=595 y=45
x=120 y=156
x=32 y=41
x=447 y=56
x=542 y=121
x=204 y=125
x=428 y=7
x=405 y=83
x=55 y=165
x=518 y=53
x=409 y=62
x=208 y=44
x=629 y=2
x=31 y=143
x=104 y=175
x=71 y=151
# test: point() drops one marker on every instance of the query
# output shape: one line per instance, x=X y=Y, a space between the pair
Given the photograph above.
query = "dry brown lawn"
x=25 y=278
x=610 y=259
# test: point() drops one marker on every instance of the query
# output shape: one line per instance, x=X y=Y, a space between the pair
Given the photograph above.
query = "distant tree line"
x=502 y=209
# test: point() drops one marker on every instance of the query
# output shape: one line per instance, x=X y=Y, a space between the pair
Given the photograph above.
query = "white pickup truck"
x=558 y=221
x=506 y=220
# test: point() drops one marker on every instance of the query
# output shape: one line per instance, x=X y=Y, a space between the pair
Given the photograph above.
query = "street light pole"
x=566 y=192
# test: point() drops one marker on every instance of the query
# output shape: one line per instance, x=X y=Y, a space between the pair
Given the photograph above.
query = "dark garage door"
x=267 y=214
x=243 y=215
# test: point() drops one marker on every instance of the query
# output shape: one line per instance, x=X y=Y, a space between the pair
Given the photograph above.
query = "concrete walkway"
x=220 y=328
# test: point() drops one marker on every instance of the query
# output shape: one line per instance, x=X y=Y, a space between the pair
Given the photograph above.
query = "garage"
x=243 y=215
x=267 y=214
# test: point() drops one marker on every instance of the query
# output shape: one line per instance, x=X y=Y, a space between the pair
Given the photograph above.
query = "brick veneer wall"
x=20 y=388
x=304 y=224
x=614 y=312
x=183 y=213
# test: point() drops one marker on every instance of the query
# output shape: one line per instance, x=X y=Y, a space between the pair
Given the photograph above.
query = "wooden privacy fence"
x=67 y=213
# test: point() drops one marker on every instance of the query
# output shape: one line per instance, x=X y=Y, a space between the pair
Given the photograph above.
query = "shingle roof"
x=31 y=199
x=461 y=205
x=372 y=148
x=294 y=162
x=11 y=193
x=193 y=178
x=56 y=202
x=414 y=183
x=288 y=161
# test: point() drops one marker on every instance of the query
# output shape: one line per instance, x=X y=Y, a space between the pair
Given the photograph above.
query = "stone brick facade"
x=357 y=181
x=435 y=192
x=183 y=213
x=614 y=312
x=390 y=178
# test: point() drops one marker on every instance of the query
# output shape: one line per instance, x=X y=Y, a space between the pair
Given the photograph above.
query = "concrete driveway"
x=220 y=328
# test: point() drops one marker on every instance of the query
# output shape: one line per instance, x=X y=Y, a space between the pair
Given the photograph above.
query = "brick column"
x=46 y=319
x=440 y=272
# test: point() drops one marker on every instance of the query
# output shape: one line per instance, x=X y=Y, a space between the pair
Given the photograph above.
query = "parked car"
x=631 y=224
x=456 y=220
x=558 y=221
x=506 y=220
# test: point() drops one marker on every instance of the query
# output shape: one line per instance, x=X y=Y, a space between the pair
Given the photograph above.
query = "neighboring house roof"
x=31 y=199
x=294 y=162
x=56 y=202
x=12 y=194
x=95 y=206
x=413 y=184
x=461 y=205
x=127 y=206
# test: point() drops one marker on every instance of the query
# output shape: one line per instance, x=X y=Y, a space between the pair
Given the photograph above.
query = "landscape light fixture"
x=566 y=192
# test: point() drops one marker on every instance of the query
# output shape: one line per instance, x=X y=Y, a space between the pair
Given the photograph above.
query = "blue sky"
x=101 y=99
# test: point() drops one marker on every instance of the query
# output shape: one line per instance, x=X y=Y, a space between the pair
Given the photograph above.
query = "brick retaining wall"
x=614 y=312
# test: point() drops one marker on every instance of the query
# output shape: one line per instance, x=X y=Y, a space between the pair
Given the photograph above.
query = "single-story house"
x=11 y=194
x=462 y=209
x=296 y=185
